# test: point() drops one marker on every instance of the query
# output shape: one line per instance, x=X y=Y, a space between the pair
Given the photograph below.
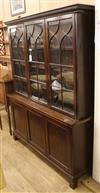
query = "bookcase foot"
x=73 y=183
x=15 y=137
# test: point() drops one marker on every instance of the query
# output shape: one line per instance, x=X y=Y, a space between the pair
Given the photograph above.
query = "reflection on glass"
x=55 y=93
x=37 y=72
x=34 y=89
x=42 y=92
x=55 y=70
x=68 y=100
x=63 y=99
x=62 y=84
x=66 y=78
x=39 y=91
x=62 y=75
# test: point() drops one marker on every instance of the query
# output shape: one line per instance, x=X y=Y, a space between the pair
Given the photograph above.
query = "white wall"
x=96 y=157
x=1 y=10
x=36 y=6
x=31 y=7
x=52 y=4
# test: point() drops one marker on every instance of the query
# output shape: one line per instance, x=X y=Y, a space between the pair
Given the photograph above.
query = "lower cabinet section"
x=67 y=147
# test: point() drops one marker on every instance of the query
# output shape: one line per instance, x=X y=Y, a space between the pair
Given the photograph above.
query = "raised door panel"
x=59 y=145
x=20 y=121
x=37 y=131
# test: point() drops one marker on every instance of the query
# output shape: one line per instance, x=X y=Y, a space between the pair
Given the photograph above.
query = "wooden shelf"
x=36 y=62
x=20 y=78
x=18 y=60
x=63 y=65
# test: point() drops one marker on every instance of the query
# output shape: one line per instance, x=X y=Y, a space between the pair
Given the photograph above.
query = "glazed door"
x=36 y=60
x=60 y=33
x=18 y=59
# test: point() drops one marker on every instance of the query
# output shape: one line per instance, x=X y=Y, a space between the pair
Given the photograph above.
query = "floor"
x=25 y=172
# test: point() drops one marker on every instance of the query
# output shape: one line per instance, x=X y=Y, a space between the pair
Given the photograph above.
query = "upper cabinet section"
x=52 y=56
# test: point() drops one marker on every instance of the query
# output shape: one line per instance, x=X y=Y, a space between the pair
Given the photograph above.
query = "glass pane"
x=34 y=89
x=33 y=71
x=60 y=40
x=35 y=42
x=68 y=100
x=55 y=94
x=16 y=68
x=67 y=78
x=19 y=68
x=55 y=84
x=67 y=57
x=53 y=42
x=42 y=92
x=62 y=81
x=41 y=73
x=22 y=69
x=21 y=87
x=17 y=43
x=54 y=56
x=15 y=54
x=37 y=72
x=55 y=72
